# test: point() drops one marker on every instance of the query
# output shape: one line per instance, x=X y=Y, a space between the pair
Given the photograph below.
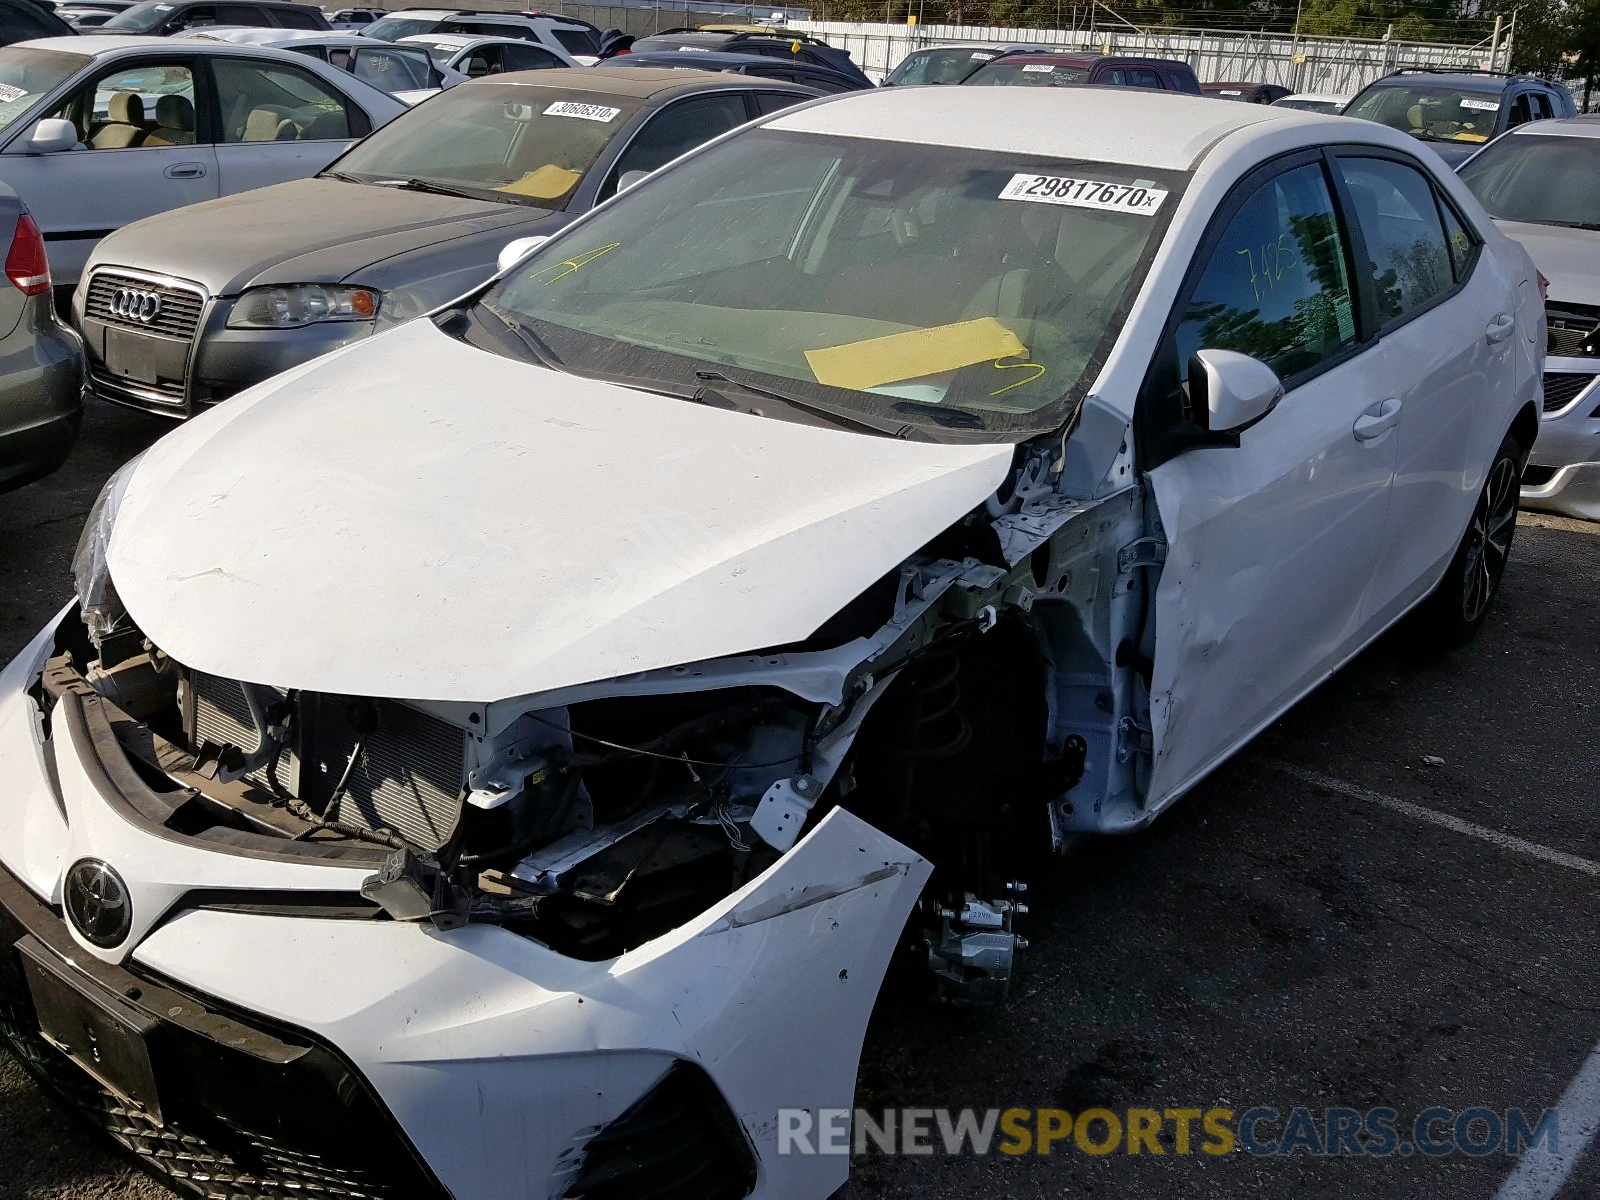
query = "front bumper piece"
x=1563 y=473
x=474 y=1063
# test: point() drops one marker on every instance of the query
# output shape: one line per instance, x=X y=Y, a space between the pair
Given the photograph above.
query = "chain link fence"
x=1339 y=66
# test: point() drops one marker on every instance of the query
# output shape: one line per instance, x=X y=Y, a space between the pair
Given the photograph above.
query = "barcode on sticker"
x=982 y=56
x=1083 y=193
x=1037 y=67
x=584 y=112
x=10 y=92
x=1481 y=105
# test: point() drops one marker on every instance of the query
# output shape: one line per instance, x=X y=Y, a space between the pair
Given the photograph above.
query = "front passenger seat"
x=174 y=123
x=126 y=126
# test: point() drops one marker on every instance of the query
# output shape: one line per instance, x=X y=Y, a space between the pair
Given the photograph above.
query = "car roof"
x=1328 y=97
x=1082 y=58
x=726 y=58
x=104 y=46
x=1136 y=126
x=1587 y=125
x=1236 y=83
x=525 y=18
x=257 y=35
x=419 y=14
x=637 y=83
x=1465 y=81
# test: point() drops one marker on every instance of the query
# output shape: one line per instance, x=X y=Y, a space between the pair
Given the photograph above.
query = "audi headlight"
x=293 y=305
x=97 y=598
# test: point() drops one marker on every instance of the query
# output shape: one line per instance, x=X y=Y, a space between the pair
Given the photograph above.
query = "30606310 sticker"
x=1084 y=193
x=584 y=112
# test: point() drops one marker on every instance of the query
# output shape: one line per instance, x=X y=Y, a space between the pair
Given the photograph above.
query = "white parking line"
x=1505 y=841
x=1540 y=1176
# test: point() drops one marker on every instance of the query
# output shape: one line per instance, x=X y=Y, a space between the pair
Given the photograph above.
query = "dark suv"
x=796 y=47
x=1455 y=112
x=160 y=17
x=1066 y=69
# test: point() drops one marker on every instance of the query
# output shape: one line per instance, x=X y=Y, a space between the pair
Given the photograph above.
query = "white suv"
x=567 y=36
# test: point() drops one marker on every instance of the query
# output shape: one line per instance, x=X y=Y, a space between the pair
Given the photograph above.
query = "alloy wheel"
x=1494 y=521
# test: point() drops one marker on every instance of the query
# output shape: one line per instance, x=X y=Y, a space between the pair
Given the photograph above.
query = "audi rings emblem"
x=97 y=903
x=135 y=304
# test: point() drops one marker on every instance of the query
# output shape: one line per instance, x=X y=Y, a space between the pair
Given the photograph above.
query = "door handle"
x=190 y=170
x=1377 y=420
x=1500 y=328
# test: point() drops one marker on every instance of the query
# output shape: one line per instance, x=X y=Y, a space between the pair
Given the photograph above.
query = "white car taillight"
x=26 y=265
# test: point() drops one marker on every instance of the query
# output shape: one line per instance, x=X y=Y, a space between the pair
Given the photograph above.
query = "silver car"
x=41 y=398
x=97 y=131
x=185 y=309
x=1539 y=183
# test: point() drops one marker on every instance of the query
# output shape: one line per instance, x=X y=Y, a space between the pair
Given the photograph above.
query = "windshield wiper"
x=440 y=189
x=1563 y=224
x=952 y=418
x=816 y=410
x=341 y=176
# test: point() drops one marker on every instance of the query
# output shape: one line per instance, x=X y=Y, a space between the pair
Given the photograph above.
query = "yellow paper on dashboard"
x=549 y=182
x=913 y=354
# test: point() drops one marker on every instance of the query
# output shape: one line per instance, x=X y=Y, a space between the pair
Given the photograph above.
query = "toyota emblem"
x=97 y=903
x=135 y=304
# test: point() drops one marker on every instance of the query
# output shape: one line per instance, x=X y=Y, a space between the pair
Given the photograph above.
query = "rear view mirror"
x=628 y=178
x=52 y=135
x=518 y=250
x=1233 y=390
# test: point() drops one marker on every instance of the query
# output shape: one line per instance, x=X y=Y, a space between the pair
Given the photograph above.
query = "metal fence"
x=1341 y=66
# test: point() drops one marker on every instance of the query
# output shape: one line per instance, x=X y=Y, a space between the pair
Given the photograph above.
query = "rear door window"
x=294 y=18
x=274 y=102
x=525 y=56
x=1143 y=77
x=1406 y=246
x=577 y=41
x=768 y=103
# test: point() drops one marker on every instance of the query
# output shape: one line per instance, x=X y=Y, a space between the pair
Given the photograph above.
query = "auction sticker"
x=1084 y=193
x=10 y=92
x=584 y=112
x=1037 y=67
x=982 y=56
x=1481 y=105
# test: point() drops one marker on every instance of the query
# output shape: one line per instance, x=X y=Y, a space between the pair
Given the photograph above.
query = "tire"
x=1452 y=615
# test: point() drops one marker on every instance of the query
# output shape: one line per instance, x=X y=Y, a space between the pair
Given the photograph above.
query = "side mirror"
x=628 y=178
x=53 y=135
x=518 y=250
x=1232 y=389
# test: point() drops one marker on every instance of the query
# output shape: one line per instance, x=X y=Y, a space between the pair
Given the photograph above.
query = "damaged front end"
x=676 y=867
x=956 y=705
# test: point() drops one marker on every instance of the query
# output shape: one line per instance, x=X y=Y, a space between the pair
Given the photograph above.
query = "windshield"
x=1549 y=180
x=530 y=145
x=392 y=29
x=141 y=17
x=1431 y=112
x=904 y=284
x=26 y=74
x=951 y=64
x=1008 y=73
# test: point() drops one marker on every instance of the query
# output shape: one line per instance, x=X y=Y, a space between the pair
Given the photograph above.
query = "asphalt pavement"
x=1382 y=902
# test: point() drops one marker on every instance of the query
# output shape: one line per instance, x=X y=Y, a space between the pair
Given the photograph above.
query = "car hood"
x=416 y=518
x=306 y=231
x=1568 y=258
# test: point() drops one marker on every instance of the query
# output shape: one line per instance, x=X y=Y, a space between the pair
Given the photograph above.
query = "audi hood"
x=367 y=524
x=305 y=231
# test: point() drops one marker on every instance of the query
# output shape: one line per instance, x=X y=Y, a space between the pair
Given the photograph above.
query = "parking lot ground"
x=1330 y=920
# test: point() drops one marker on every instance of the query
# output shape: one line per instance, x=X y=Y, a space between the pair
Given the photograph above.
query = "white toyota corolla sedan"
x=501 y=757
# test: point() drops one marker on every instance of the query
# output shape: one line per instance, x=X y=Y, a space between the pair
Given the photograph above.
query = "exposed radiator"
x=407 y=777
